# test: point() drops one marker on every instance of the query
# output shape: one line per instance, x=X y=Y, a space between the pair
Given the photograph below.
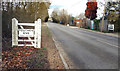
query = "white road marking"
x=107 y=43
x=62 y=58
x=103 y=41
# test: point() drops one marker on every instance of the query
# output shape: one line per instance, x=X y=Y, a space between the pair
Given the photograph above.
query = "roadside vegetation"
x=47 y=57
x=25 y=58
x=61 y=16
x=25 y=12
x=111 y=17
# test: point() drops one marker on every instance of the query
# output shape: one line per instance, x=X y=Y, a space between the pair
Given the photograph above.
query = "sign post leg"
x=39 y=33
x=14 y=32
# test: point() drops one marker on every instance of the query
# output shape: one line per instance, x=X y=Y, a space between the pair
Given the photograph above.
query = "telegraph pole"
x=103 y=16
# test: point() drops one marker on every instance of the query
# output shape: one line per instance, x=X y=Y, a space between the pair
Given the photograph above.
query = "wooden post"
x=14 y=32
x=103 y=17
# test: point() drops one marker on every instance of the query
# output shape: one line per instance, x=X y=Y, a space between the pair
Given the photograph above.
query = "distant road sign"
x=111 y=27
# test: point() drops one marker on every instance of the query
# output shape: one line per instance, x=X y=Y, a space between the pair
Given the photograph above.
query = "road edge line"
x=61 y=56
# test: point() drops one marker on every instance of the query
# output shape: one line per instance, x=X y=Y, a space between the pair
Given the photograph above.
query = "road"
x=87 y=50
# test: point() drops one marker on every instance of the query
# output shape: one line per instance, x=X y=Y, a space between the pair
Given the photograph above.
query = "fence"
x=26 y=34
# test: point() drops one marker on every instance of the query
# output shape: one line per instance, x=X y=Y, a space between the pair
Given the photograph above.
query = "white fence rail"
x=19 y=31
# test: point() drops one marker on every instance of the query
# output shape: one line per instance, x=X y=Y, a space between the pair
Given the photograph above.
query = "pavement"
x=87 y=49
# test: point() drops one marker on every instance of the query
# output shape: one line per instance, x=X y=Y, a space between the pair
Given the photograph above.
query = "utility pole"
x=103 y=16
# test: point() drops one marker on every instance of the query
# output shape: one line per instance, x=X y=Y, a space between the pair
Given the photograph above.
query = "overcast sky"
x=74 y=7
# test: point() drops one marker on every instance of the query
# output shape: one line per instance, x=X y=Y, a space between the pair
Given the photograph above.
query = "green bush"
x=96 y=23
x=55 y=20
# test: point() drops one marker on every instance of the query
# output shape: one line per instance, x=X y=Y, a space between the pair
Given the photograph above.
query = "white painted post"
x=14 y=32
x=39 y=33
x=35 y=34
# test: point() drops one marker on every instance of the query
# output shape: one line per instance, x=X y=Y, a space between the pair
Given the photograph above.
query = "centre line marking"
x=108 y=43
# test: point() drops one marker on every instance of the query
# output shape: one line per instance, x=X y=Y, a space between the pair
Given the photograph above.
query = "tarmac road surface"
x=88 y=50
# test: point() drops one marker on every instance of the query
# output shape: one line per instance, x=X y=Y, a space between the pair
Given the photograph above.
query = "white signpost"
x=18 y=31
